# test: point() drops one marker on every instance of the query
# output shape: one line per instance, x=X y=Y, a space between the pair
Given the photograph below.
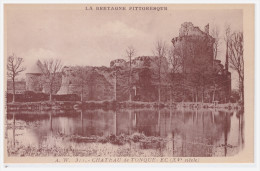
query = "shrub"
x=30 y=96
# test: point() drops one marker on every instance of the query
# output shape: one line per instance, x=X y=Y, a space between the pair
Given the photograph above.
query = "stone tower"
x=34 y=78
x=194 y=45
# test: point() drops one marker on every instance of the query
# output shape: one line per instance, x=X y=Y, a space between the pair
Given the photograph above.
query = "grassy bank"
x=111 y=105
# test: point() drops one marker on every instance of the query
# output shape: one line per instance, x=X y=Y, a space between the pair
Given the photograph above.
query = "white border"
x=195 y=167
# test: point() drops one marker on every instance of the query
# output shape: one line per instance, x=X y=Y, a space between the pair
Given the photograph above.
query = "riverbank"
x=113 y=105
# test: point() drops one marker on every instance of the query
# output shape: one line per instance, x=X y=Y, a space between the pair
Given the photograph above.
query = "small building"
x=36 y=82
x=34 y=78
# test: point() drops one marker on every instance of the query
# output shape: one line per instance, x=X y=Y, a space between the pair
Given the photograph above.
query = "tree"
x=49 y=69
x=176 y=64
x=215 y=34
x=80 y=80
x=234 y=96
x=160 y=51
x=235 y=44
x=175 y=61
x=14 y=68
x=130 y=52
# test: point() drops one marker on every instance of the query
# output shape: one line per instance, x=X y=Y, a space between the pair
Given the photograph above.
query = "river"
x=126 y=132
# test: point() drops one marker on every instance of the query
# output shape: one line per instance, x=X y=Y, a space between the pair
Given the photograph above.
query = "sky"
x=85 y=37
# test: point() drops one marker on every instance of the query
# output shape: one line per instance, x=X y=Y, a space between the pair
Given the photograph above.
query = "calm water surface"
x=203 y=133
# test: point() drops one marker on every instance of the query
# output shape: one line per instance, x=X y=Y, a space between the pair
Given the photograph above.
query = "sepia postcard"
x=129 y=83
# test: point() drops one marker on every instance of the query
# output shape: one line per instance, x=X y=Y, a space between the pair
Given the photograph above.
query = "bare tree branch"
x=160 y=51
x=49 y=69
x=215 y=34
x=130 y=52
x=14 y=67
x=235 y=43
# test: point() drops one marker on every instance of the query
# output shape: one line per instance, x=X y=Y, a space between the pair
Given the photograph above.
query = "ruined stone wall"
x=103 y=83
x=118 y=63
x=34 y=82
x=96 y=83
x=144 y=78
x=150 y=62
x=99 y=88
x=38 y=83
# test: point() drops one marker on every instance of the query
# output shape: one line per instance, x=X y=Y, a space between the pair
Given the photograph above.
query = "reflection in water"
x=167 y=132
x=14 y=129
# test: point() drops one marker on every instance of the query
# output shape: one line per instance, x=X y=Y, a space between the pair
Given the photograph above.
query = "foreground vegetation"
x=117 y=146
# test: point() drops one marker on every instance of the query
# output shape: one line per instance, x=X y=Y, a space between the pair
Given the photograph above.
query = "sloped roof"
x=35 y=68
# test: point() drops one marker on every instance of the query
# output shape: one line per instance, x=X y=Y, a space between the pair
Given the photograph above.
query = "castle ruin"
x=201 y=78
